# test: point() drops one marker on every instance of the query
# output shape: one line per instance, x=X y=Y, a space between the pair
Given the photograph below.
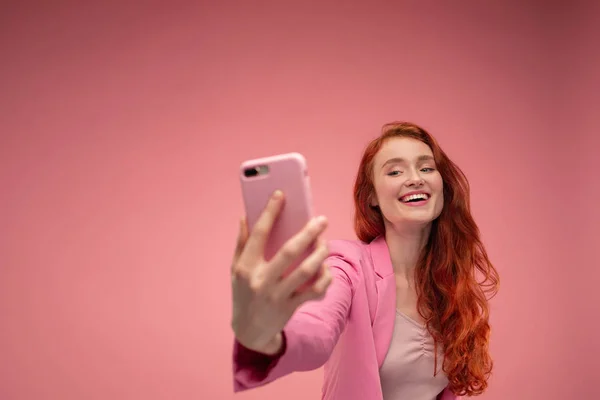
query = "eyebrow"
x=395 y=160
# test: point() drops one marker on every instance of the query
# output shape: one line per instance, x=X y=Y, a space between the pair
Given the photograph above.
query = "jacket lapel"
x=385 y=285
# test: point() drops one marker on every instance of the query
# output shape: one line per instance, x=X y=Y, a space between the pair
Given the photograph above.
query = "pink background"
x=122 y=128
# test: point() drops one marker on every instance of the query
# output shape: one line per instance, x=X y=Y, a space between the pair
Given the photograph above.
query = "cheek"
x=438 y=184
x=441 y=199
x=387 y=190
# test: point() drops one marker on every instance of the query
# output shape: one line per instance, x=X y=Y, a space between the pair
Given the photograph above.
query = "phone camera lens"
x=250 y=172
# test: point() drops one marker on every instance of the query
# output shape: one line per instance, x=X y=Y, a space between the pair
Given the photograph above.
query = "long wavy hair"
x=454 y=277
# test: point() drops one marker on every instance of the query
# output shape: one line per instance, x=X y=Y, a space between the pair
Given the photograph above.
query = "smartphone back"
x=288 y=173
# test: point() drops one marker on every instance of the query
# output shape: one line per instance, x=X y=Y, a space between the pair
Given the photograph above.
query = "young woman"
x=402 y=313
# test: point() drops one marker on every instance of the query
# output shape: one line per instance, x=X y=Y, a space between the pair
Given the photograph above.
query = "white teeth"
x=420 y=196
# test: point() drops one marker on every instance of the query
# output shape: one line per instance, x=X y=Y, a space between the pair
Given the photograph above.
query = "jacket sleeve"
x=313 y=331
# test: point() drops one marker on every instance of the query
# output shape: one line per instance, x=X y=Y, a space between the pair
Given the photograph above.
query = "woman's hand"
x=264 y=300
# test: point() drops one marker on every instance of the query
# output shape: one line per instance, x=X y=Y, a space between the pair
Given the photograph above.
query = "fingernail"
x=277 y=194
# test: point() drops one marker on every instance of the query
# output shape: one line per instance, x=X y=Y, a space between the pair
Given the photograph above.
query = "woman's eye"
x=427 y=169
x=394 y=173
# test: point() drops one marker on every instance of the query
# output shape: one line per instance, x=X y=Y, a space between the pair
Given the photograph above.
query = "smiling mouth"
x=415 y=198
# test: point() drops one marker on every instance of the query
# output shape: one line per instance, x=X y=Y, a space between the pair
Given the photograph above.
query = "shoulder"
x=350 y=250
x=348 y=257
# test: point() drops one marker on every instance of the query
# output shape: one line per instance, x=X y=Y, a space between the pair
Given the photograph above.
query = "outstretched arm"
x=313 y=331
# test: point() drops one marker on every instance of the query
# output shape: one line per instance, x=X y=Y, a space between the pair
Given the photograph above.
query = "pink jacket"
x=349 y=331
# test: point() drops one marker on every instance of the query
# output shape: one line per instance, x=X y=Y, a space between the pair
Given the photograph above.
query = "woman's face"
x=408 y=186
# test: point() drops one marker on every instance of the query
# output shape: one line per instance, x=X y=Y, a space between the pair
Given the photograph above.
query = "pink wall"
x=122 y=129
x=578 y=100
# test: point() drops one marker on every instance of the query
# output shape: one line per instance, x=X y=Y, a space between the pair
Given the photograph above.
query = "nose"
x=414 y=180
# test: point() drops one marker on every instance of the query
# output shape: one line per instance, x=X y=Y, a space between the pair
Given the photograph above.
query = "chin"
x=422 y=217
x=413 y=222
x=425 y=216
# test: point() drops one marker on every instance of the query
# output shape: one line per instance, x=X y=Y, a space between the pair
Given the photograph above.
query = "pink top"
x=407 y=371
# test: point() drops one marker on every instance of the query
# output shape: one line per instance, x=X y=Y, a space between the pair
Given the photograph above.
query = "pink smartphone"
x=288 y=173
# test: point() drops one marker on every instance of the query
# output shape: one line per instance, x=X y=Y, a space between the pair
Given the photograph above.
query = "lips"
x=415 y=197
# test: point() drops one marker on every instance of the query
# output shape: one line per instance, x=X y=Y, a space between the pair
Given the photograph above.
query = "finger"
x=241 y=239
x=295 y=247
x=317 y=291
x=261 y=230
x=308 y=269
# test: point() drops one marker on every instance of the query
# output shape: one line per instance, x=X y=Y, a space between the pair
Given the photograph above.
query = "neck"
x=406 y=245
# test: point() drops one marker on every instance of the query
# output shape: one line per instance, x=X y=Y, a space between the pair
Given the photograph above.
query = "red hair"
x=452 y=301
